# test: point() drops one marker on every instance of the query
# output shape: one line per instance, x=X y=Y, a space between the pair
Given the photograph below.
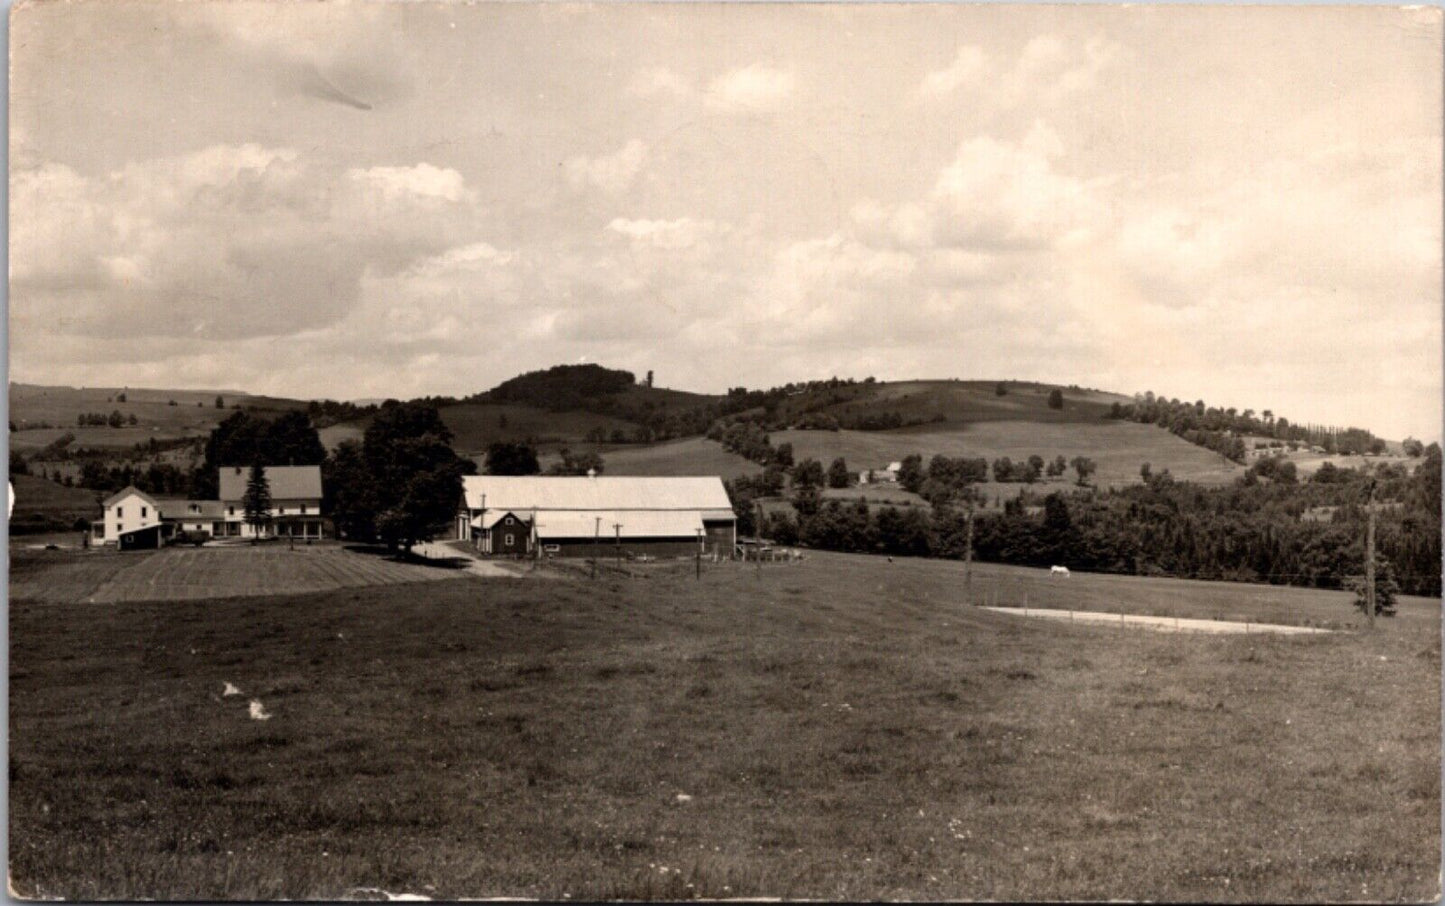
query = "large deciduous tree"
x=416 y=476
x=505 y=458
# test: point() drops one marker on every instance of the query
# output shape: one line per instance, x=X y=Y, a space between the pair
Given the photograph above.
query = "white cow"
x=1059 y=571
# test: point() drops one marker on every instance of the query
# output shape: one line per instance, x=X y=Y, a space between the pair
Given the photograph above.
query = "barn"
x=575 y=515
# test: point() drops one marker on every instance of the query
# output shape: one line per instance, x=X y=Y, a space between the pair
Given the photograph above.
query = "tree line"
x=1251 y=531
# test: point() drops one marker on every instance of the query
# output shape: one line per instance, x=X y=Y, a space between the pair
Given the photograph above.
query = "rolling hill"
x=43 y=413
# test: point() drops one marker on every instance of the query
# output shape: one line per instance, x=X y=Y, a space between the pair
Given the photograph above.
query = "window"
x=230 y=511
x=303 y=509
x=142 y=512
x=508 y=540
x=119 y=512
x=509 y=520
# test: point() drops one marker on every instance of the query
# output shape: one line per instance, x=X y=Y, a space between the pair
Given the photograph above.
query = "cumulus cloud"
x=610 y=173
x=658 y=81
x=1046 y=69
x=757 y=88
x=225 y=242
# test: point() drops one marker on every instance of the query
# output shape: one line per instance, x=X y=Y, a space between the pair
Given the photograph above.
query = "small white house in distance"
x=877 y=476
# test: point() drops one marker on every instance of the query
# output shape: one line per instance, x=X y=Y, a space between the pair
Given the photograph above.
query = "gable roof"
x=172 y=508
x=603 y=493
x=287 y=482
x=128 y=491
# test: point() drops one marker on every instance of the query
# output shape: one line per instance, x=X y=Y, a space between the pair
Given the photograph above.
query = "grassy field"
x=692 y=456
x=192 y=574
x=1119 y=448
x=42 y=505
x=845 y=727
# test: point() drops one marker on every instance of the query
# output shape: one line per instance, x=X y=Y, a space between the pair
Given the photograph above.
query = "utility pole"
x=968 y=554
x=1370 y=558
x=596 y=540
x=699 y=554
x=617 y=527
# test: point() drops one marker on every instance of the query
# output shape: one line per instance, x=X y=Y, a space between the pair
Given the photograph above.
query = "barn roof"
x=287 y=482
x=524 y=493
x=618 y=523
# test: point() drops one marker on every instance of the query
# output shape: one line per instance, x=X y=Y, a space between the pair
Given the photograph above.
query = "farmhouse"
x=577 y=515
x=135 y=519
x=877 y=476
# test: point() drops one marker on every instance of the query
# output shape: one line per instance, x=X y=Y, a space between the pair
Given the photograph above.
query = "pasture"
x=691 y=456
x=1118 y=447
x=844 y=727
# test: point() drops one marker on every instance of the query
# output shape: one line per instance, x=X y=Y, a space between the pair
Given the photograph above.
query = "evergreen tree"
x=257 y=499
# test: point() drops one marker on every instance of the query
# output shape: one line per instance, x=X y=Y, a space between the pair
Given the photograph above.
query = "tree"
x=1036 y=468
x=1058 y=467
x=220 y=403
x=350 y=498
x=838 y=473
x=1413 y=448
x=649 y=377
x=1084 y=466
x=1386 y=588
x=1056 y=399
x=512 y=459
x=577 y=464
x=18 y=465
x=999 y=389
x=257 y=499
x=416 y=474
x=1145 y=471
x=808 y=473
x=116 y=420
x=120 y=397
x=807 y=499
x=910 y=472
x=131 y=419
x=783 y=455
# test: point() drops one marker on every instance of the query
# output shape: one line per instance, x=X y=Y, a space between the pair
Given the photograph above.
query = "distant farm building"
x=527 y=515
x=295 y=510
x=879 y=476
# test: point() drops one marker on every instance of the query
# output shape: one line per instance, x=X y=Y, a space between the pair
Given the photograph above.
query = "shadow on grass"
x=412 y=558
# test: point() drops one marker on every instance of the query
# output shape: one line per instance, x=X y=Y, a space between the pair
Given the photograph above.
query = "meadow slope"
x=845 y=727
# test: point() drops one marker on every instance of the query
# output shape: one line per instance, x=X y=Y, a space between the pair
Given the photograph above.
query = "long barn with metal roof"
x=571 y=515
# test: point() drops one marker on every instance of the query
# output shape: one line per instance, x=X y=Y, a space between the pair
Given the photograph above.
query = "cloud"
x=994 y=194
x=420 y=181
x=965 y=70
x=612 y=173
x=227 y=242
x=757 y=88
x=658 y=81
x=684 y=232
x=1046 y=70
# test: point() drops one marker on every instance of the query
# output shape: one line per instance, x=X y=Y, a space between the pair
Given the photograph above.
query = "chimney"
x=591 y=473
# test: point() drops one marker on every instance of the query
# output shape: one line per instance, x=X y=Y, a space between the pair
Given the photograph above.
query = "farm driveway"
x=436 y=550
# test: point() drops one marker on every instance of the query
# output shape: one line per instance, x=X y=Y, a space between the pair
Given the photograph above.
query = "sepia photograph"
x=653 y=451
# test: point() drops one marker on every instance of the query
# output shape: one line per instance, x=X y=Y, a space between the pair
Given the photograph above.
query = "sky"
x=360 y=200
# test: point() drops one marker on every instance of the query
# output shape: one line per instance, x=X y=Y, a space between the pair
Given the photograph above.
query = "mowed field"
x=845 y=727
x=1119 y=448
x=691 y=456
x=107 y=576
